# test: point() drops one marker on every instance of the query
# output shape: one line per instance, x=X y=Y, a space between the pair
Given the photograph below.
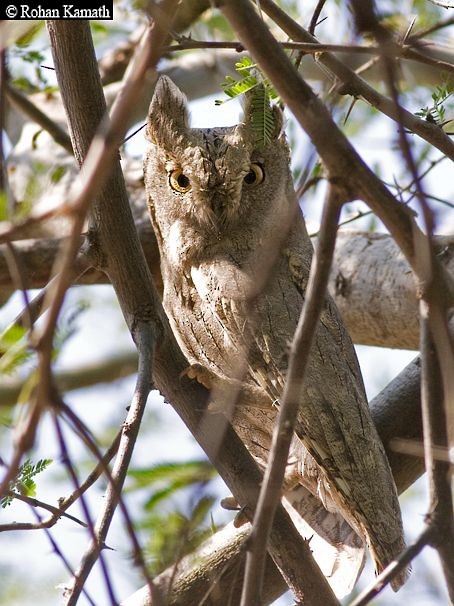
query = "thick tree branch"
x=370 y=281
x=375 y=291
x=136 y=301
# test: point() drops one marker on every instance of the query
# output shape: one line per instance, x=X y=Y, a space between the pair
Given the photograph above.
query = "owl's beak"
x=218 y=204
x=222 y=208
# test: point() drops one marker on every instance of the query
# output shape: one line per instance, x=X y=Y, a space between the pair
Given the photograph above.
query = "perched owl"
x=235 y=260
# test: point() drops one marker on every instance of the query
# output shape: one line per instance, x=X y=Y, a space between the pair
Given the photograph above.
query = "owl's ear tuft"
x=264 y=121
x=168 y=115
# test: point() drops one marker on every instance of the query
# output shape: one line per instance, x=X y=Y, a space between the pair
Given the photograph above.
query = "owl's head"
x=207 y=185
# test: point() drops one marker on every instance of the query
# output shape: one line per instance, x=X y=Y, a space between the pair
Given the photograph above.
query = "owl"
x=235 y=259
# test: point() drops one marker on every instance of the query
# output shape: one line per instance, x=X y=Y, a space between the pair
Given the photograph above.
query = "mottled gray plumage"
x=224 y=213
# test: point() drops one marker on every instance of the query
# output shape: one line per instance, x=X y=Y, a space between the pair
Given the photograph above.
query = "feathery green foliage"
x=254 y=83
x=24 y=483
x=436 y=113
x=172 y=534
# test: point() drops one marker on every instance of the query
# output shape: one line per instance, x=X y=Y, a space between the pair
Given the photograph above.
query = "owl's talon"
x=230 y=503
x=199 y=373
x=240 y=519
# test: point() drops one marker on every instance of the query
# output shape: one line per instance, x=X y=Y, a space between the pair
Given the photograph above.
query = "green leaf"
x=251 y=77
x=436 y=113
x=174 y=535
x=262 y=117
x=14 y=351
x=57 y=173
x=3 y=206
x=30 y=35
x=24 y=482
x=169 y=478
x=253 y=82
x=190 y=471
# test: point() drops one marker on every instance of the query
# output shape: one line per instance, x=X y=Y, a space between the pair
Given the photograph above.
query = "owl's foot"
x=201 y=374
x=231 y=504
x=227 y=391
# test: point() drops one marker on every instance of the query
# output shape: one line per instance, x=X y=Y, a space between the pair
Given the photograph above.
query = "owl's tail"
x=336 y=547
x=384 y=556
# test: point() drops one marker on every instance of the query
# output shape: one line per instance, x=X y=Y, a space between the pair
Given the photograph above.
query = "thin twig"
x=400 y=51
x=270 y=492
x=416 y=449
x=431 y=29
x=33 y=112
x=33 y=502
x=315 y=16
x=394 y=568
x=17 y=273
x=84 y=505
x=436 y=436
x=442 y=4
x=117 y=476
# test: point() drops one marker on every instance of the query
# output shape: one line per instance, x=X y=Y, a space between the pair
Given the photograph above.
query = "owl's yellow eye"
x=255 y=175
x=179 y=181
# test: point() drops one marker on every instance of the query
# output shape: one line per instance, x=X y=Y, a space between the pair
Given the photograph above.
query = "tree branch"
x=365 y=265
x=357 y=86
x=439 y=519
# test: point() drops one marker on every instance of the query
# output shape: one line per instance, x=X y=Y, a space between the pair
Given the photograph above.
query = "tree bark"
x=371 y=281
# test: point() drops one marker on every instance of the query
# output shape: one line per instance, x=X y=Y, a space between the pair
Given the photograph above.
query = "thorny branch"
x=135 y=301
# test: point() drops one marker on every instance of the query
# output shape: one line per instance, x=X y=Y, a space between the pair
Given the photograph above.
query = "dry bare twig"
x=270 y=492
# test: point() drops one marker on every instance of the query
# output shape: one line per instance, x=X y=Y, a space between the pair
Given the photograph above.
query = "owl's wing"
x=335 y=425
